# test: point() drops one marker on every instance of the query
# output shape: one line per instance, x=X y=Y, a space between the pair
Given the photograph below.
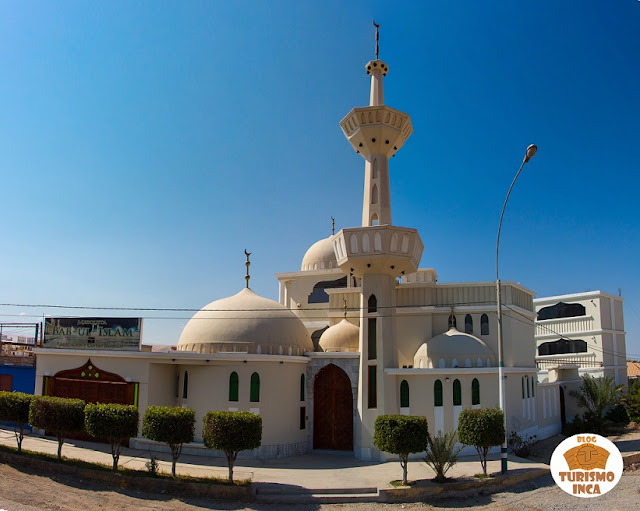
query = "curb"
x=142 y=483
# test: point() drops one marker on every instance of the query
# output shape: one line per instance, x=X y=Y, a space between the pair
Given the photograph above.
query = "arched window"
x=454 y=363
x=233 y=386
x=452 y=321
x=185 y=385
x=372 y=304
x=457 y=393
x=527 y=382
x=437 y=393
x=254 y=396
x=404 y=394
x=302 y=387
x=533 y=387
x=374 y=195
x=484 y=325
x=178 y=385
x=468 y=324
x=475 y=392
x=523 y=392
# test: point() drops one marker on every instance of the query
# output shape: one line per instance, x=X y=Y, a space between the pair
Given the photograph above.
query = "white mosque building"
x=359 y=331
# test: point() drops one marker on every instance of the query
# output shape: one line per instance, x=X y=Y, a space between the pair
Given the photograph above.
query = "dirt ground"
x=25 y=490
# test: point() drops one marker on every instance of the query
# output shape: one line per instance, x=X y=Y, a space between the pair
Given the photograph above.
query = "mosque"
x=359 y=331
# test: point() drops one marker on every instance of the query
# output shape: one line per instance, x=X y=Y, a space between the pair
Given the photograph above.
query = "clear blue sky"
x=145 y=145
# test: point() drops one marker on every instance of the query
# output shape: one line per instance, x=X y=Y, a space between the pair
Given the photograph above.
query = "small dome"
x=245 y=323
x=453 y=349
x=320 y=256
x=344 y=336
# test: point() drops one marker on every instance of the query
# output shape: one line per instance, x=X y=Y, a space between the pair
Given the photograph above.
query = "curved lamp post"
x=531 y=150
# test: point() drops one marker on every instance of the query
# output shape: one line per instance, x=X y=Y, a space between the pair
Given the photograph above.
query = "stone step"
x=278 y=489
x=320 y=498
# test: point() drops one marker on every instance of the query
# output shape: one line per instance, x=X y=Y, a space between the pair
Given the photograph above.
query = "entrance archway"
x=332 y=410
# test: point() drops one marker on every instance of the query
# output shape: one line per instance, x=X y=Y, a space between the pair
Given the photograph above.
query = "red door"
x=332 y=410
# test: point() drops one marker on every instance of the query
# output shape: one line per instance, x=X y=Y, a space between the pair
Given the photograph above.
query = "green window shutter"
x=373 y=387
x=404 y=394
x=185 y=385
x=527 y=379
x=373 y=337
x=457 y=393
x=255 y=388
x=533 y=387
x=233 y=386
x=475 y=392
x=523 y=387
x=437 y=393
x=302 y=387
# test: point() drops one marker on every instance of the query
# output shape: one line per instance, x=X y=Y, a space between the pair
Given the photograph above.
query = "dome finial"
x=377 y=39
x=248 y=263
x=345 y=308
x=333 y=226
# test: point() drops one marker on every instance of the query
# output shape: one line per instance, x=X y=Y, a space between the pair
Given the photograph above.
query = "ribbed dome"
x=245 y=323
x=341 y=337
x=320 y=256
x=453 y=349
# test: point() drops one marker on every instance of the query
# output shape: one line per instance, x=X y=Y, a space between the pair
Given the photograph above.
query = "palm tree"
x=595 y=396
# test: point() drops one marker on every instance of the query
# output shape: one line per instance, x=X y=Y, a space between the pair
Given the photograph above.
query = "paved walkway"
x=314 y=470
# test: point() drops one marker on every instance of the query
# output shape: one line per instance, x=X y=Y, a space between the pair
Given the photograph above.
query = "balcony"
x=562 y=326
x=582 y=360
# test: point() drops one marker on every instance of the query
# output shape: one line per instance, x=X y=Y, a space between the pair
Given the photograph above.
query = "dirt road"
x=24 y=490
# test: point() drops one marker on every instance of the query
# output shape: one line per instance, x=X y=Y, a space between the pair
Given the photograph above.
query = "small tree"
x=14 y=407
x=401 y=435
x=595 y=396
x=483 y=428
x=631 y=401
x=442 y=453
x=115 y=422
x=59 y=415
x=171 y=425
x=232 y=432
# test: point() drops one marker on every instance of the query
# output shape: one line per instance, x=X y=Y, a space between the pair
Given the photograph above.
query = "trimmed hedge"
x=401 y=435
x=117 y=423
x=232 y=432
x=61 y=416
x=14 y=407
x=483 y=428
x=172 y=425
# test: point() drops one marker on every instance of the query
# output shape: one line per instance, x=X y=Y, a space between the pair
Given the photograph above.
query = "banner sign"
x=122 y=334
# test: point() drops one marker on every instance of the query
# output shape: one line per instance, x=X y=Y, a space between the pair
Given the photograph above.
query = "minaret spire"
x=247 y=264
x=377 y=39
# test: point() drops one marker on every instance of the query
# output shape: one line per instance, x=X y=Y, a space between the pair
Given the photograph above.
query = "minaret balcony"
x=376 y=130
x=378 y=249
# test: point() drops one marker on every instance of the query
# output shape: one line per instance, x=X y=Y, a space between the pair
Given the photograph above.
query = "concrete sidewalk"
x=310 y=471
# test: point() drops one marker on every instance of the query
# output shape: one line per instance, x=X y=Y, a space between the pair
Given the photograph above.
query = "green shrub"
x=521 y=446
x=401 y=435
x=618 y=414
x=631 y=401
x=442 y=453
x=117 y=423
x=171 y=425
x=14 y=407
x=58 y=415
x=596 y=396
x=483 y=428
x=232 y=432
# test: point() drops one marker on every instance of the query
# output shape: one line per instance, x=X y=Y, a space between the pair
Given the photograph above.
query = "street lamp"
x=531 y=150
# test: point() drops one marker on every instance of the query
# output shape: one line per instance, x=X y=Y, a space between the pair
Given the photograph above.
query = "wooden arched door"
x=332 y=410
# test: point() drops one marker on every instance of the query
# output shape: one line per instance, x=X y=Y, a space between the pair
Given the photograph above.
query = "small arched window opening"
x=185 y=385
x=457 y=393
x=404 y=394
x=254 y=396
x=452 y=321
x=302 y=387
x=372 y=305
x=484 y=325
x=374 y=220
x=475 y=392
x=233 y=386
x=437 y=393
x=468 y=324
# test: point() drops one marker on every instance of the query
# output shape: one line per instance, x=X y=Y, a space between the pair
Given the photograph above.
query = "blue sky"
x=145 y=145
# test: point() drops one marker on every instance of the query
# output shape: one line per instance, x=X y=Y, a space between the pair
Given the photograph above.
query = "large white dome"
x=320 y=256
x=453 y=349
x=341 y=337
x=245 y=323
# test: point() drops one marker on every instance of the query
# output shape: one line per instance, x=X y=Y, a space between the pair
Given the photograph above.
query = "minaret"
x=378 y=253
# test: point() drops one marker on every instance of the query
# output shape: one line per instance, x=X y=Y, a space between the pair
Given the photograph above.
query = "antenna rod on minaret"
x=248 y=263
x=377 y=39
x=333 y=225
